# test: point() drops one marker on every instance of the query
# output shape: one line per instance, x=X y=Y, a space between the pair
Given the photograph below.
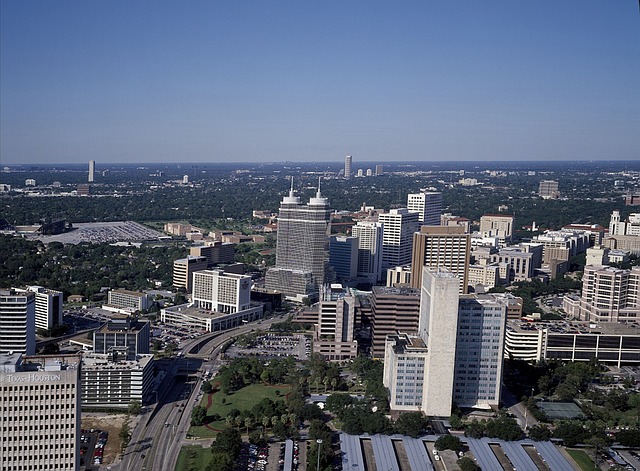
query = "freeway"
x=156 y=441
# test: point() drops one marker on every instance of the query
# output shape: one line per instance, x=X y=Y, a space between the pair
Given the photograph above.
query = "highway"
x=161 y=432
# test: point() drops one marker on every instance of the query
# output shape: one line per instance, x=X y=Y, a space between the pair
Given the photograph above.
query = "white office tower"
x=629 y=227
x=347 y=167
x=40 y=420
x=301 y=247
x=48 y=307
x=497 y=225
x=437 y=325
x=479 y=351
x=185 y=179
x=17 y=321
x=428 y=205
x=397 y=236
x=218 y=291
x=369 y=236
x=92 y=171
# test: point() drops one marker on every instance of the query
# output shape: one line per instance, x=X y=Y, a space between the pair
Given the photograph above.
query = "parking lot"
x=274 y=345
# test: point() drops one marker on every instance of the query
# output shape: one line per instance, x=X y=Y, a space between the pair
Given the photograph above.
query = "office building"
x=428 y=205
x=479 y=351
x=457 y=354
x=610 y=342
x=111 y=382
x=610 y=294
x=48 y=305
x=370 y=238
x=399 y=276
x=630 y=243
x=548 y=189
x=92 y=171
x=393 y=310
x=40 y=420
x=497 y=225
x=562 y=245
x=128 y=300
x=123 y=336
x=347 y=166
x=217 y=252
x=184 y=268
x=334 y=338
x=379 y=170
x=185 y=179
x=17 y=321
x=448 y=219
x=216 y=290
x=485 y=275
x=520 y=263
x=193 y=317
x=301 y=247
x=630 y=227
x=30 y=182
x=343 y=256
x=439 y=247
x=398 y=226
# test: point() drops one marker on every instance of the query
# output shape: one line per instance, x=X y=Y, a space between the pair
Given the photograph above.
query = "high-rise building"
x=610 y=294
x=392 y=310
x=17 y=321
x=457 y=354
x=398 y=226
x=428 y=205
x=184 y=268
x=347 y=166
x=370 y=238
x=441 y=247
x=217 y=252
x=497 y=225
x=336 y=319
x=301 y=247
x=92 y=171
x=48 y=307
x=218 y=291
x=548 y=189
x=40 y=420
x=343 y=256
x=619 y=227
x=379 y=170
x=185 y=179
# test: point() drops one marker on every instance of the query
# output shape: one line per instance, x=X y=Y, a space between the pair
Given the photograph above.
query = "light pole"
x=319 y=442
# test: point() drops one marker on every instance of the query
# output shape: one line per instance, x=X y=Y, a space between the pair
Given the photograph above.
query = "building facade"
x=348 y=160
x=343 y=256
x=370 y=239
x=548 y=189
x=48 y=305
x=497 y=225
x=216 y=290
x=184 y=268
x=125 y=335
x=334 y=338
x=393 y=310
x=610 y=294
x=301 y=247
x=441 y=247
x=398 y=226
x=125 y=299
x=17 y=321
x=40 y=420
x=428 y=205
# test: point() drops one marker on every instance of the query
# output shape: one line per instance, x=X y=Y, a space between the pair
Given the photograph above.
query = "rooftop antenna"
x=291 y=192
x=318 y=195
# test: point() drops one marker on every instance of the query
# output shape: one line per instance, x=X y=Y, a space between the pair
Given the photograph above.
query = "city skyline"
x=158 y=82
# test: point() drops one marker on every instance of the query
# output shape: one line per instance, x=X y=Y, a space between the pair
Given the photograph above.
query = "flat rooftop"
x=575 y=327
x=203 y=313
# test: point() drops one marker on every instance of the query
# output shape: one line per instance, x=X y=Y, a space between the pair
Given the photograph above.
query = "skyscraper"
x=92 y=170
x=40 y=420
x=301 y=247
x=428 y=205
x=347 y=167
x=441 y=247
x=17 y=321
x=398 y=226
x=369 y=236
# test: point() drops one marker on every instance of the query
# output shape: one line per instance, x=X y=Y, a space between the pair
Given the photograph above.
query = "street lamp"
x=319 y=442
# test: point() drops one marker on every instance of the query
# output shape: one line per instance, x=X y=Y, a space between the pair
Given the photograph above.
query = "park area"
x=218 y=405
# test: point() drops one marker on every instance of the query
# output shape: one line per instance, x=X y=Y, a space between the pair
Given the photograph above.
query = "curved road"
x=161 y=432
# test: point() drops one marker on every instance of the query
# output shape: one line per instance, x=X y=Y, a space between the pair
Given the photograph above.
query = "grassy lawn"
x=193 y=457
x=582 y=459
x=243 y=399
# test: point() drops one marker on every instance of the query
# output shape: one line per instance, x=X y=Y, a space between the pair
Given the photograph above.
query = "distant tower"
x=347 y=167
x=185 y=179
x=301 y=247
x=379 y=170
x=92 y=170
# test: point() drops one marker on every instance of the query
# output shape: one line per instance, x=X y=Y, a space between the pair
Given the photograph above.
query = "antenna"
x=319 y=195
x=291 y=192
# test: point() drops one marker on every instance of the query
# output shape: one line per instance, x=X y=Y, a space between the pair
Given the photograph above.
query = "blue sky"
x=214 y=81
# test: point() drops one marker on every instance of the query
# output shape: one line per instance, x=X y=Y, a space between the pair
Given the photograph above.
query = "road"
x=156 y=442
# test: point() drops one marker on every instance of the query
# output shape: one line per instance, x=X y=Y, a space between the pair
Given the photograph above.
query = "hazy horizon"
x=209 y=82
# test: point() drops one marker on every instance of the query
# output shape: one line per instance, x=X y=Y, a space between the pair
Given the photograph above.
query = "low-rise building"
x=125 y=299
x=191 y=317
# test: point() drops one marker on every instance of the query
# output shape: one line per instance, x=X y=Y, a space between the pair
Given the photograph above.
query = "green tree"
x=539 y=433
x=448 y=442
x=220 y=461
x=206 y=387
x=198 y=415
x=135 y=407
x=467 y=464
x=412 y=424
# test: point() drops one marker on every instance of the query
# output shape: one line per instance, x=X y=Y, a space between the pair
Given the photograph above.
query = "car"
x=436 y=457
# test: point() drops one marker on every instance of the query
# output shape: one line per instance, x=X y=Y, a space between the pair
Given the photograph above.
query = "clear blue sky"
x=224 y=81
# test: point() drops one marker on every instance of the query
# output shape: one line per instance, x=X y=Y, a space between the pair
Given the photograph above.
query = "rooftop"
x=575 y=327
